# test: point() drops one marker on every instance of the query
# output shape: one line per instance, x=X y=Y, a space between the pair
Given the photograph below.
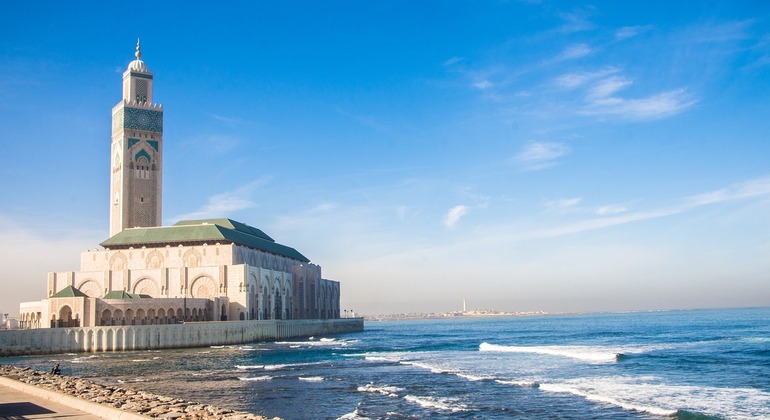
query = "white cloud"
x=222 y=204
x=454 y=215
x=601 y=94
x=575 y=51
x=752 y=188
x=660 y=105
x=577 y=79
x=608 y=86
x=535 y=156
x=576 y=21
x=631 y=31
x=483 y=84
x=453 y=60
x=564 y=204
x=227 y=120
x=611 y=209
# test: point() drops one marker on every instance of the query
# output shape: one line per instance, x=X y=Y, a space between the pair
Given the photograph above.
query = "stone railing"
x=146 y=337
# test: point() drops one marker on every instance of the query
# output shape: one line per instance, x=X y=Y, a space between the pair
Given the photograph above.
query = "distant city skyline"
x=522 y=155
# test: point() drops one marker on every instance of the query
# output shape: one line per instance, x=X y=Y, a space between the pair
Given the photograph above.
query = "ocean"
x=695 y=364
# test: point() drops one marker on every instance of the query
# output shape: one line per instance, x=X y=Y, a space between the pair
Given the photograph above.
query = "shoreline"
x=109 y=401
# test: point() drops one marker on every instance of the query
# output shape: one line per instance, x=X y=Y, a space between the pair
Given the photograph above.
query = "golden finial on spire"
x=138 y=53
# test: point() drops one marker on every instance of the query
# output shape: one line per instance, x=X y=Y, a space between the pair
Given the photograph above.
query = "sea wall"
x=147 y=337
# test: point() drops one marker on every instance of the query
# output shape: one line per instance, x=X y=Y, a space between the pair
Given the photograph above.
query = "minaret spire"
x=138 y=52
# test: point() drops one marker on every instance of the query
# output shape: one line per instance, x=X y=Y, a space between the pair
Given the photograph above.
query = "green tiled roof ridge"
x=69 y=291
x=208 y=231
x=227 y=223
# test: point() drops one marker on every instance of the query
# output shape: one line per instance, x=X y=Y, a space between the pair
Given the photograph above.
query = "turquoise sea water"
x=682 y=364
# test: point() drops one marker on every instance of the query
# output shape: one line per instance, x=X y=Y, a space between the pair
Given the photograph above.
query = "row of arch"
x=152 y=317
x=28 y=320
x=266 y=301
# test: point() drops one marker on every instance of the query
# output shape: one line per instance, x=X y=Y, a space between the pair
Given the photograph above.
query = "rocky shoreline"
x=126 y=399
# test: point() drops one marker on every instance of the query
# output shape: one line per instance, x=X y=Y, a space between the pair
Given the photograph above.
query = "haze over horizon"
x=524 y=155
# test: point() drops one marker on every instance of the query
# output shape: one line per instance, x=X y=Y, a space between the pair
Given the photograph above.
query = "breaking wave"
x=584 y=353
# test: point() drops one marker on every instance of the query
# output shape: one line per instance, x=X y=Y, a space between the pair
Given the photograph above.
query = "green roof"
x=122 y=294
x=69 y=291
x=208 y=231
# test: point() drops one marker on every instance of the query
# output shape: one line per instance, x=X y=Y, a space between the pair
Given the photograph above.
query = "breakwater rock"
x=126 y=399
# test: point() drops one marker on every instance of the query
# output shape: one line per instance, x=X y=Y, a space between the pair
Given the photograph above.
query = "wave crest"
x=584 y=353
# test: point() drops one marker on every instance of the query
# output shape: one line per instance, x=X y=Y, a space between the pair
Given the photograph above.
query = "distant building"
x=200 y=270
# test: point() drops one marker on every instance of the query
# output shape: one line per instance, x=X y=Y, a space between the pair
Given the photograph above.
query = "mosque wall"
x=150 y=337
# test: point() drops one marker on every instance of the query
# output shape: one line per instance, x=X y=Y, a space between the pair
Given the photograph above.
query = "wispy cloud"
x=227 y=120
x=454 y=215
x=611 y=209
x=659 y=105
x=452 y=61
x=223 y=204
x=578 y=79
x=574 y=52
x=608 y=86
x=217 y=143
x=482 y=84
x=752 y=188
x=602 y=90
x=536 y=156
x=631 y=31
x=563 y=205
x=576 y=21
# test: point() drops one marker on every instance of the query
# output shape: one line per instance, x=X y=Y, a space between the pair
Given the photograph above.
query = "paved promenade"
x=20 y=405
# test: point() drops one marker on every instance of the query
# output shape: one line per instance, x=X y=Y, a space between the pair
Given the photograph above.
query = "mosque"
x=195 y=270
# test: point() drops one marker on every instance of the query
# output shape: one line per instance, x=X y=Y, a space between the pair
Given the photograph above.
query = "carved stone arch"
x=118 y=261
x=203 y=287
x=146 y=286
x=191 y=258
x=91 y=288
x=154 y=259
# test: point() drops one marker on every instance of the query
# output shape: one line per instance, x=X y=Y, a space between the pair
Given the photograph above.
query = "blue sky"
x=523 y=155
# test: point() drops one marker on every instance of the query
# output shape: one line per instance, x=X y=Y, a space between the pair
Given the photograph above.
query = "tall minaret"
x=137 y=151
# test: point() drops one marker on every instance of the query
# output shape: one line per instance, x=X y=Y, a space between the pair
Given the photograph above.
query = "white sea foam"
x=141 y=360
x=311 y=343
x=473 y=378
x=658 y=411
x=289 y=365
x=433 y=369
x=446 y=404
x=257 y=378
x=355 y=415
x=521 y=382
x=652 y=395
x=390 y=391
x=584 y=353
x=311 y=379
x=84 y=358
x=379 y=359
x=246 y=367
